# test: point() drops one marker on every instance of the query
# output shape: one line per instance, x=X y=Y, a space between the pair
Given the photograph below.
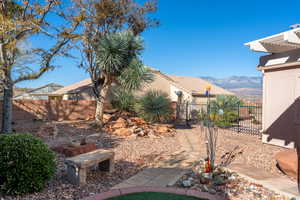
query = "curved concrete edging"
x=171 y=190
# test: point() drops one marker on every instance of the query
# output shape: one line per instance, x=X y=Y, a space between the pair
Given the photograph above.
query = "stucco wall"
x=281 y=89
x=52 y=109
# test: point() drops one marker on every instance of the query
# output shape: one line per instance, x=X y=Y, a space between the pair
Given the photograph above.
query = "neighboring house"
x=81 y=90
x=281 y=86
x=41 y=93
x=196 y=88
x=193 y=89
x=17 y=92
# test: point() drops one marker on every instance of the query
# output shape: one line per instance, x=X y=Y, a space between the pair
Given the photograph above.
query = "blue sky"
x=201 y=38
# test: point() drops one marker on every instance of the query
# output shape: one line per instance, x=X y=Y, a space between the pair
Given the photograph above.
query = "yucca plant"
x=154 y=106
x=118 y=62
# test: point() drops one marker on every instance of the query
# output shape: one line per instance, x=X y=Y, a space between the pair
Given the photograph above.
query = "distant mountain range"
x=243 y=86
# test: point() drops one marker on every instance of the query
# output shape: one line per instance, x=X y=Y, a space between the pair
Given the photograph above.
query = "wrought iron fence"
x=241 y=118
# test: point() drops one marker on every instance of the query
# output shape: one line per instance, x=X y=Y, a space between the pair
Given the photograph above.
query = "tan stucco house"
x=193 y=89
x=281 y=86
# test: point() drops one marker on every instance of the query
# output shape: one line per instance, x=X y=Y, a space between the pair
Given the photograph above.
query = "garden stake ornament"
x=211 y=135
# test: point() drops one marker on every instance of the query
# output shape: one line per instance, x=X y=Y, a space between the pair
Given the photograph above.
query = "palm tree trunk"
x=100 y=105
x=7 y=109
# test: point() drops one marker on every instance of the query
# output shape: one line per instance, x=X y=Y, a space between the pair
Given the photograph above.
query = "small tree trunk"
x=100 y=106
x=7 y=109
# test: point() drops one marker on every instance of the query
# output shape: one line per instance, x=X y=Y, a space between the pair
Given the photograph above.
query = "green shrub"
x=154 y=106
x=26 y=164
x=123 y=100
x=227 y=119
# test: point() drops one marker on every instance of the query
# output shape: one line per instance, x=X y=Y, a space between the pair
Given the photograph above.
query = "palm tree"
x=118 y=62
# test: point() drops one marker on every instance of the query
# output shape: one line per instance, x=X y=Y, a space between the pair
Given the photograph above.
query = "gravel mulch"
x=132 y=155
x=255 y=153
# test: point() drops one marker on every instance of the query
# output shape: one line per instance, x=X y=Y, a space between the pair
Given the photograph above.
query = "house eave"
x=278 y=43
x=279 y=66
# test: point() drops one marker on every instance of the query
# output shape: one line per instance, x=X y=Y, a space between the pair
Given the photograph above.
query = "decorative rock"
x=187 y=183
x=119 y=125
x=205 y=188
x=137 y=130
x=288 y=162
x=218 y=180
x=212 y=191
x=137 y=120
x=141 y=134
x=207 y=175
x=71 y=151
x=106 y=117
x=152 y=135
x=204 y=180
x=162 y=129
x=123 y=132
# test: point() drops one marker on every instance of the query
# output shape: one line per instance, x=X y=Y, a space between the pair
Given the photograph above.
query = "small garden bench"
x=77 y=166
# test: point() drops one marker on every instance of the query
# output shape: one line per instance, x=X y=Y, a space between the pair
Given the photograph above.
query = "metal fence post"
x=187 y=113
x=239 y=118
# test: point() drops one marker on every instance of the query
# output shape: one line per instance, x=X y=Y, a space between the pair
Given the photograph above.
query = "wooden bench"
x=77 y=166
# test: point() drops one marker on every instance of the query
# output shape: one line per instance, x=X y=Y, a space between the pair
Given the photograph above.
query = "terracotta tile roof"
x=197 y=85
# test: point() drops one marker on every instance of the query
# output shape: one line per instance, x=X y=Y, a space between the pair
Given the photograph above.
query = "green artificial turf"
x=153 y=196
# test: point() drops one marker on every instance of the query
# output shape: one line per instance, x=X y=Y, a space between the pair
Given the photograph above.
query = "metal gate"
x=240 y=118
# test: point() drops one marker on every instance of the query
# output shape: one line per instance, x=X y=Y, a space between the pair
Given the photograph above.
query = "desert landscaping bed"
x=138 y=152
x=132 y=155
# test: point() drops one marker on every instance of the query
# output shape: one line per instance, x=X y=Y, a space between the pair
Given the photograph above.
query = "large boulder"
x=288 y=162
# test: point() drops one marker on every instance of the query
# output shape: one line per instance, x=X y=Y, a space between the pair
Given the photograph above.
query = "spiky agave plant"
x=154 y=106
x=123 y=100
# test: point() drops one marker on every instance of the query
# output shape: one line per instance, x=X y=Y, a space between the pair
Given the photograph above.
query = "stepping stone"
x=153 y=177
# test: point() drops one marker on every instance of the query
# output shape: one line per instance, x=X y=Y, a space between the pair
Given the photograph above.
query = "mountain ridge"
x=243 y=86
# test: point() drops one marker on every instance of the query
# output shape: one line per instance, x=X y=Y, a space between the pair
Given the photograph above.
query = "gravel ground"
x=255 y=153
x=132 y=155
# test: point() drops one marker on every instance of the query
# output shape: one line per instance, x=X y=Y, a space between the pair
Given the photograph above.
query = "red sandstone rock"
x=71 y=151
x=123 y=132
x=106 y=117
x=162 y=129
x=138 y=120
x=288 y=162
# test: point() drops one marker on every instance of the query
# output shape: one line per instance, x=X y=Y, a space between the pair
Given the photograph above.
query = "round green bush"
x=26 y=164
